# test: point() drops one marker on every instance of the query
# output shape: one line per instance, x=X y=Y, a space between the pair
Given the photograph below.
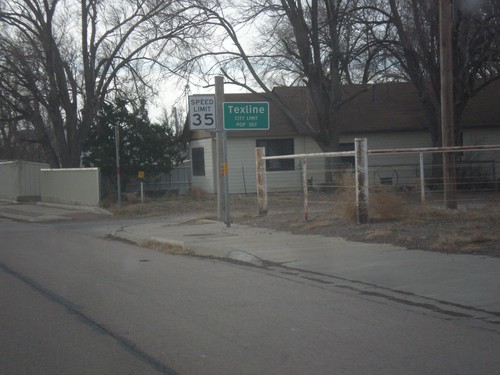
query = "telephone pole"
x=447 y=120
x=223 y=203
x=118 y=169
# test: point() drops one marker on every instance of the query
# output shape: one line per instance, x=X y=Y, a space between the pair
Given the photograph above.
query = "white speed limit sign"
x=202 y=112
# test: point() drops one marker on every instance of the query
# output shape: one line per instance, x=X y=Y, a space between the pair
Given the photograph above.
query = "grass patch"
x=386 y=205
x=379 y=234
x=165 y=247
x=463 y=243
x=315 y=224
x=197 y=193
x=383 y=205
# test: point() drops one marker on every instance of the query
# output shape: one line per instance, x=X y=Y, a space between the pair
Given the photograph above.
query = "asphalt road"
x=74 y=302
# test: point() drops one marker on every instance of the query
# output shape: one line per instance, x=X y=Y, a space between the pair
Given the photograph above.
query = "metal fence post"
x=304 y=187
x=260 y=152
x=361 y=157
x=422 y=178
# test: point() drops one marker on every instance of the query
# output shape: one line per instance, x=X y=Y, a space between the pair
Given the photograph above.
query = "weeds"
x=386 y=205
x=165 y=247
x=393 y=218
x=197 y=193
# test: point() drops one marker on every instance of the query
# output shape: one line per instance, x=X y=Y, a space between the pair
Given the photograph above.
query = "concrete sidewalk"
x=463 y=280
x=42 y=212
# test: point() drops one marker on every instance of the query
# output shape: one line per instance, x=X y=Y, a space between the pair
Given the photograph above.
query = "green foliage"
x=144 y=146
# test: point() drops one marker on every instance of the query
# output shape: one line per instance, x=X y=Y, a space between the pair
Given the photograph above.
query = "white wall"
x=20 y=180
x=400 y=169
x=490 y=136
x=241 y=164
x=75 y=186
x=484 y=137
x=205 y=182
x=403 y=168
x=242 y=168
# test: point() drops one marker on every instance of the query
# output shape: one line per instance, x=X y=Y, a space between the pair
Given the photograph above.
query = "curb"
x=203 y=251
x=94 y=209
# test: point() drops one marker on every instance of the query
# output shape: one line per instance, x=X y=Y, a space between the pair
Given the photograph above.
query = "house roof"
x=382 y=107
x=396 y=107
x=483 y=110
x=386 y=107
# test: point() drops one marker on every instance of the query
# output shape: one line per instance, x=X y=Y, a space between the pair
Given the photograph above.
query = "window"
x=275 y=147
x=347 y=161
x=198 y=161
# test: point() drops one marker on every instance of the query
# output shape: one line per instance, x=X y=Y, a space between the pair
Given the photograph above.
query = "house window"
x=347 y=161
x=275 y=147
x=198 y=161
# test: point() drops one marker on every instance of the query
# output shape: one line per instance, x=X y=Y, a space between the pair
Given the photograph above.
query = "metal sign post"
x=118 y=172
x=140 y=175
x=221 y=140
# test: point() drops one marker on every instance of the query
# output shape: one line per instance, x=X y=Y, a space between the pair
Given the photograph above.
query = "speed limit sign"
x=202 y=112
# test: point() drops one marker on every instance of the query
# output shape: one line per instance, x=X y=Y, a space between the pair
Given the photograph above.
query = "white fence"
x=77 y=186
x=414 y=172
x=20 y=180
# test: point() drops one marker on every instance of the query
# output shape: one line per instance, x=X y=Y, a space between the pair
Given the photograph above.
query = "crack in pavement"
x=74 y=309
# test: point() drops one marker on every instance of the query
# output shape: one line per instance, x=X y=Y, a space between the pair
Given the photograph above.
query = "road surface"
x=75 y=302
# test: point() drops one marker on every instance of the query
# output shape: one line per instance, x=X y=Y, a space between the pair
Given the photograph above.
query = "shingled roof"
x=387 y=107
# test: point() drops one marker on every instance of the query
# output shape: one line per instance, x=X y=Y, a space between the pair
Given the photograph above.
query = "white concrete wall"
x=205 y=182
x=20 y=180
x=242 y=169
x=241 y=166
x=484 y=137
x=405 y=167
x=400 y=169
x=75 y=186
x=490 y=136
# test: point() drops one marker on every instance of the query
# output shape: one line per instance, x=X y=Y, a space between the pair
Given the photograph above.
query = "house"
x=389 y=115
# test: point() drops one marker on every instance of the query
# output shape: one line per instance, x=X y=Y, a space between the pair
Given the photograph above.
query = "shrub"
x=386 y=205
x=197 y=193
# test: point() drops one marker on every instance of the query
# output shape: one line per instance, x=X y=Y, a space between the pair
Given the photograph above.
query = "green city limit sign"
x=246 y=116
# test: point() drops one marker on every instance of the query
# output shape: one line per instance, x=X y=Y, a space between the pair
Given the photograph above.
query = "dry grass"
x=347 y=195
x=165 y=247
x=168 y=205
x=379 y=234
x=394 y=217
x=386 y=205
x=320 y=223
x=197 y=193
x=462 y=243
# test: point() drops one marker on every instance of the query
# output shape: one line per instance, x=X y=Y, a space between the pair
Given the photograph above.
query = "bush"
x=197 y=193
x=386 y=205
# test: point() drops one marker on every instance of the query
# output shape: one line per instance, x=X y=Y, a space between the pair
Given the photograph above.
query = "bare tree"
x=320 y=44
x=413 y=27
x=17 y=141
x=60 y=60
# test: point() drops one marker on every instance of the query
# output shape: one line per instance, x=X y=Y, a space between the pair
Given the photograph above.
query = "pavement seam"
x=128 y=345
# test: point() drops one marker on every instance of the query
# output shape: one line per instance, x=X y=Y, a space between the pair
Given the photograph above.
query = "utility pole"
x=223 y=204
x=118 y=171
x=447 y=120
x=219 y=99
